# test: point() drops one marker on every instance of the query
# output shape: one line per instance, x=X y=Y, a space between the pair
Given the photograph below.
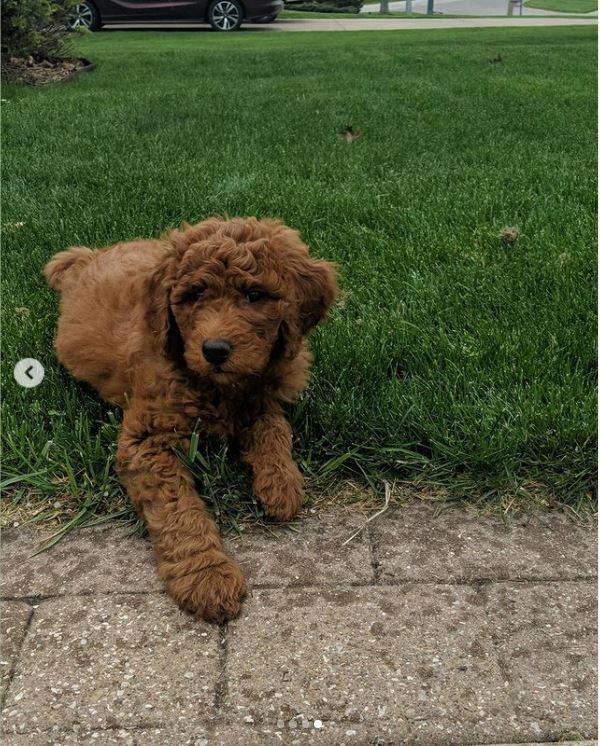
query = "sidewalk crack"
x=221 y=686
x=13 y=669
x=374 y=554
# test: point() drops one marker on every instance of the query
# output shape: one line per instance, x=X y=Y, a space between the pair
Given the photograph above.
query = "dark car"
x=223 y=15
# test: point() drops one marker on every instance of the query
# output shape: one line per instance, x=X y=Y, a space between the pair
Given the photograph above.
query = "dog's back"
x=102 y=310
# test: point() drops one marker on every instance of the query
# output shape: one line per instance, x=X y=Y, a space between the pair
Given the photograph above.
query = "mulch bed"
x=32 y=71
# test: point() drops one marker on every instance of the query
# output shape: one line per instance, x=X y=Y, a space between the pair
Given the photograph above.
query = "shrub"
x=36 y=28
x=327 y=6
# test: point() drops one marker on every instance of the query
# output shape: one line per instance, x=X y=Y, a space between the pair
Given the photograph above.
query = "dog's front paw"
x=280 y=491
x=211 y=586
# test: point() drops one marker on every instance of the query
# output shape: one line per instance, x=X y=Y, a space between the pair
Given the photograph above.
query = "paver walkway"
x=423 y=629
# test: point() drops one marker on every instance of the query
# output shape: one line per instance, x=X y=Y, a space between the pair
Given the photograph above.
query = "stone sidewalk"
x=423 y=629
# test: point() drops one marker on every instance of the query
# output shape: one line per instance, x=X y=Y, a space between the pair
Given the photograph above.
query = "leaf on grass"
x=349 y=134
x=509 y=235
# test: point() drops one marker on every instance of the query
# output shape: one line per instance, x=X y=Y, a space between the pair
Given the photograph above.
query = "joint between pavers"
x=84 y=729
x=221 y=685
x=312 y=586
x=13 y=669
x=476 y=581
x=376 y=582
x=374 y=554
x=392 y=583
x=32 y=600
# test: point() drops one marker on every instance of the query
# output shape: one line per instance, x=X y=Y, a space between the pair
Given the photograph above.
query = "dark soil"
x=32 y=71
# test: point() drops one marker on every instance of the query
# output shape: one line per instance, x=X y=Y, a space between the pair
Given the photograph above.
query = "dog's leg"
x=198 y=574
x=277 y=482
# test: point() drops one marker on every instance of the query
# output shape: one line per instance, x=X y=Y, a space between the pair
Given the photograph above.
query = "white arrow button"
x=29 y=372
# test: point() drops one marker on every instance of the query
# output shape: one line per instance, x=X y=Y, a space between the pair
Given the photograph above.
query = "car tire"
x=85 y=15
x=266 y=19
x=225 y=15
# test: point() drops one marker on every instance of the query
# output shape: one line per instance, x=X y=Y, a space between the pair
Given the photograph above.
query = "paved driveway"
x=375 y=24
x=389 y=24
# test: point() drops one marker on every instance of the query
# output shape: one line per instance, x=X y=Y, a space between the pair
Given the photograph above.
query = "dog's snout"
x=216 y=351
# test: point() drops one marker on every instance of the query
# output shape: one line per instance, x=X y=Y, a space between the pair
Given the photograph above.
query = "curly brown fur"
x=133 y=322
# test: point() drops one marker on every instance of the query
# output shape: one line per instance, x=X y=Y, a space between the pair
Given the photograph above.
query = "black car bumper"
x=261 y=9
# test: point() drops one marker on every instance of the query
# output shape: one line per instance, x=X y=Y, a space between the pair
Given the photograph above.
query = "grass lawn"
x=452 y=360
x=564 y=6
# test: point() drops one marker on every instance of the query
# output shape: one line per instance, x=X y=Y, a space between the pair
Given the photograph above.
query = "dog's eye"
x=196 y=292
x=253 y=296
x=191 y=295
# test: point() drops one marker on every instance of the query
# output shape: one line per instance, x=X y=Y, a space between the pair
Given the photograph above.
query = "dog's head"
x=232 y=297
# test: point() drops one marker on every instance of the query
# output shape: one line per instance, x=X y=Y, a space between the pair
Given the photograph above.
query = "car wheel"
x=265 y=19
x=225 y=15
x=85 y=15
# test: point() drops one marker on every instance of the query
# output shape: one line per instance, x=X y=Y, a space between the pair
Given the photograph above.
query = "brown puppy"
x=204 y=329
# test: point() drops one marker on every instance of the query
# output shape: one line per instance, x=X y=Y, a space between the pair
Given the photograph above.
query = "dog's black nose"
x=216 y=351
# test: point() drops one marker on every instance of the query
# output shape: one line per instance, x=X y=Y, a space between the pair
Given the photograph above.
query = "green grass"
x=452 y=360
x=564 y=6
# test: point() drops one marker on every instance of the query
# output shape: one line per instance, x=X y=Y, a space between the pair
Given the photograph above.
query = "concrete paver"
x=417 y=544
x=110 y=662
x=422 y=629
x=14 y=618
x=285 y=554
x=221 y=735
x=227 y=735
x=304 y=732
x=116 y=737
x=547 y=647
x=89 y=561
x=420 y=661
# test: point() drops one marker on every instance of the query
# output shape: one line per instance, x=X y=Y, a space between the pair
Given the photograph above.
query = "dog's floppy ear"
x=316 y=288
x=159 y=316
x=313 y=284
